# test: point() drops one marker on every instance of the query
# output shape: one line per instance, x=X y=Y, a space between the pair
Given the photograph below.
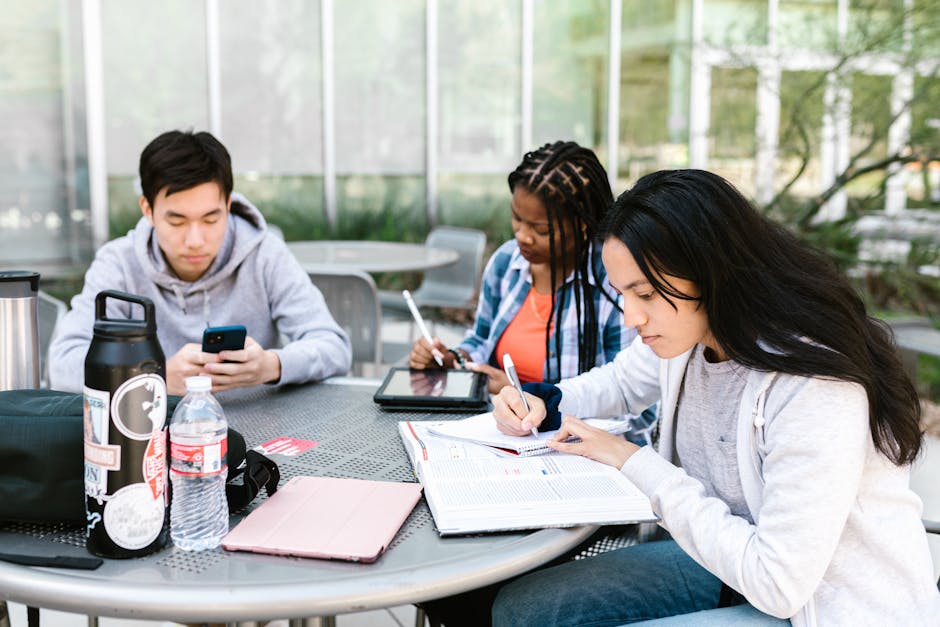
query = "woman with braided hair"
x=544 y=298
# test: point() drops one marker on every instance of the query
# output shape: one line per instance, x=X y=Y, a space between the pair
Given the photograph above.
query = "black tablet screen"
x=446 y=383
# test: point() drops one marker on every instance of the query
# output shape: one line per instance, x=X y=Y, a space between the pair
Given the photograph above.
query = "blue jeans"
x=644 y=582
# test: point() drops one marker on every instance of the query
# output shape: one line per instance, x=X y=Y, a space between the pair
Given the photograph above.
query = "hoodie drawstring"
x=181 y=303
x=180 y=299
x=206 y=309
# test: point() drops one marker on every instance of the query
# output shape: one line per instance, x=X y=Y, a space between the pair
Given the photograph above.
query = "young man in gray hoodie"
x=204 y=256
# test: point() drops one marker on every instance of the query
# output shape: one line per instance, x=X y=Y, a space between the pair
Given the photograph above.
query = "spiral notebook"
x=481 y=429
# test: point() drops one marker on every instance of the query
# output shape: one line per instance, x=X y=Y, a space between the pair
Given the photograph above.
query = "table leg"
x=92 y=621
x=4 y=615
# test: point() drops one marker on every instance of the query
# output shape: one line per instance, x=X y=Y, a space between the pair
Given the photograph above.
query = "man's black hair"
x=178 y=160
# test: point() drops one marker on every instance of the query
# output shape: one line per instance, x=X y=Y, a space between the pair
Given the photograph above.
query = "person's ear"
x=146 y=209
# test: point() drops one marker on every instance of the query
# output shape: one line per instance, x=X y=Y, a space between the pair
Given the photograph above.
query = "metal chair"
x=354 y=302
x=49 y=311
x=454 y=286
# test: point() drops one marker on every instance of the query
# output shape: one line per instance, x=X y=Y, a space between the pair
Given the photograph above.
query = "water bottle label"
x=100 y=456
x=200 y=460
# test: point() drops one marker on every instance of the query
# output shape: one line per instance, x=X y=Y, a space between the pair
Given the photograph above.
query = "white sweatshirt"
x=837 y=538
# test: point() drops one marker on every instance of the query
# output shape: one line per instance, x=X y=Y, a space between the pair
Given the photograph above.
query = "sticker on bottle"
x=153 y=467
x=100 y=456
x=139 y=406
x=199 y=460
x=132 y=517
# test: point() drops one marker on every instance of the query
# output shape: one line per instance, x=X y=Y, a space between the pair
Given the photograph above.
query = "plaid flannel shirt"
x=506 y=284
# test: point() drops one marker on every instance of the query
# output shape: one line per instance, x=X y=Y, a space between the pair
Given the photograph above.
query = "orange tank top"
x=524 y=337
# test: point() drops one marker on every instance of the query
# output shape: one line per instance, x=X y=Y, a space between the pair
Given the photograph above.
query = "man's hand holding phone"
x=233 y=359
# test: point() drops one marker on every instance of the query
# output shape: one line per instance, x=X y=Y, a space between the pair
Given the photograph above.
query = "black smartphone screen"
x=230 y=338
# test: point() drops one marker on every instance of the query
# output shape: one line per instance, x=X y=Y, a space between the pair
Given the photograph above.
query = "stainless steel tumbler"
x=19 y=330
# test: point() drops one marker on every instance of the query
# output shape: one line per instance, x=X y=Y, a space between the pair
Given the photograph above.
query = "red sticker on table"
x=286 y=446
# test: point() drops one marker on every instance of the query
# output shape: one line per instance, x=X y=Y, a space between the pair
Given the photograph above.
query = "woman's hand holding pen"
x=511 y=415
x=594 y=443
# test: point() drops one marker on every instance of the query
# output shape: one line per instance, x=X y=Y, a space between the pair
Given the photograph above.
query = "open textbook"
x=471 y=489
x=481 y=429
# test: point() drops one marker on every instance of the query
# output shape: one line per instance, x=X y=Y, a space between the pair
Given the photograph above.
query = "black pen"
x=510 y=369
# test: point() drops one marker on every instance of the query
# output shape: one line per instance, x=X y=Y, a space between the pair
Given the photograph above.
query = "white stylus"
x=438 y=357
x=510 y=369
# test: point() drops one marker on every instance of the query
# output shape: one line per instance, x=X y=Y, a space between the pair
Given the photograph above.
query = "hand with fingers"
x=592 y=442
x=422 y=355
x=249 y=366
x=511 y=415
x=497 y=378
x=188 y=361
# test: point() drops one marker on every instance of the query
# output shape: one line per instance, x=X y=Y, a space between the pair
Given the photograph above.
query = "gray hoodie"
x=254 y=281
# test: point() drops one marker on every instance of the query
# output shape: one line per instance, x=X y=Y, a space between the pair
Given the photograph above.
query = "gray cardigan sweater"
x=254 y=280
x=837 y=537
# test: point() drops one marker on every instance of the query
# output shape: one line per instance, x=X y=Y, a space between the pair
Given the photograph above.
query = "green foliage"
x=928 y=375
x=123 y=210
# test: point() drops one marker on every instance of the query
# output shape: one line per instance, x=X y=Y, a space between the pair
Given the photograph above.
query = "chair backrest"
x=455 y=285
x=354 y=302
x=49 y=310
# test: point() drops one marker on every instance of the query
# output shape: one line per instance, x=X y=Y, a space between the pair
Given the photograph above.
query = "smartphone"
x=230 y=338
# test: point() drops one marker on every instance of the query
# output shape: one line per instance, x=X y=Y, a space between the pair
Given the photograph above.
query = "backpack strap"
x=258 y=472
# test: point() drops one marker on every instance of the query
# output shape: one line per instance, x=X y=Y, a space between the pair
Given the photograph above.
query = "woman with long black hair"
x=787 y=429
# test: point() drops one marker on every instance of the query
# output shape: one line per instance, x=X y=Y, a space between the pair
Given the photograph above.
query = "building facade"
x=415 y=110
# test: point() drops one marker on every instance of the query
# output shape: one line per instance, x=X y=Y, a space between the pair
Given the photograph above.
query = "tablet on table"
x=427 y=390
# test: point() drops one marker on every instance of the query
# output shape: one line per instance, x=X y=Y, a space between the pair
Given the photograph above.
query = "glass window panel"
x=730 y=22
x=379 y=97
x=154 y=74
x=40 y=220
x=381 y=208
x=479 y=201
x=800 y=131
x=291 y=202
x=272 y=118
x=654 y=90
x=644 y=112
x=479 y=78
x=923 y=184
x=871 y=117
x=807 y=24
x=925 y=116
x=569 y=67
x=731 y=130
x=875 y=26
x=925 y=27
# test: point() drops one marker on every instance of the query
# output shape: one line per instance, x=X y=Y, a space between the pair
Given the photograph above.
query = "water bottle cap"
x=198 y=384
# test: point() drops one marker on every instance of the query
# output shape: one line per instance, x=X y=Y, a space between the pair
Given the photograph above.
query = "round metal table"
x=356 y=439
x=369 y=256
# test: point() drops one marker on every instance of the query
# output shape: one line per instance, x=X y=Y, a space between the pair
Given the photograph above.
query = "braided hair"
x=572 y=185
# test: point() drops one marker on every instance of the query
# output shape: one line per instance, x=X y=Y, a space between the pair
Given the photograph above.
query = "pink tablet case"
x=325 y=517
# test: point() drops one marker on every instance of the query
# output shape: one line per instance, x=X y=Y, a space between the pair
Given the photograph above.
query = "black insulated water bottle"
x=125 y=434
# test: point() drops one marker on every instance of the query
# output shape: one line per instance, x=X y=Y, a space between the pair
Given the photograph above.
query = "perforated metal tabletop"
x=356 y=439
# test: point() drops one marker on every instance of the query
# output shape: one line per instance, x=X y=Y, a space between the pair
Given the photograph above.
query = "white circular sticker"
x=132 y=518
x=139 y=406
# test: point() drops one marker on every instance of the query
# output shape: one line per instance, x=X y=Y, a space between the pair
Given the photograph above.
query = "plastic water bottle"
x=198 y=447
